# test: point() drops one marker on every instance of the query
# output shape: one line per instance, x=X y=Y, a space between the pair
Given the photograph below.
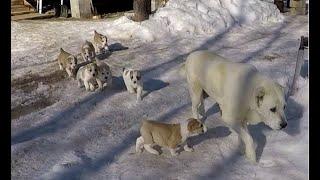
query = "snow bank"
x=197 y=17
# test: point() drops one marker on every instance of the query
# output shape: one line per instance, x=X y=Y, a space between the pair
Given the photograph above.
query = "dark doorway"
x=112 y=6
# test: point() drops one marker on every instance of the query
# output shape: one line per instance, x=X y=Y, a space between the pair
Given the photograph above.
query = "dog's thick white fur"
x=133 y=81
x=244 y=95
x=87 y=74
x=168 y=135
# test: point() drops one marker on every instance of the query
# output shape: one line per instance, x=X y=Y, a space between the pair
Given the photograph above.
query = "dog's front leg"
x=250 y=151
x=139 y=93
x=139 y=144
x=86 y=85
x=150 y=149
x=174 y=152
x=187 y=147
x=100 y=86
x=69 y=72
x=60 y=66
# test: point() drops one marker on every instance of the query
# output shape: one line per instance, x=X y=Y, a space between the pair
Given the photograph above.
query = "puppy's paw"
x=188 y=149
x=252 y=158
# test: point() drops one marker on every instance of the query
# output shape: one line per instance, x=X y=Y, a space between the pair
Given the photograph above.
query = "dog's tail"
x=182 y=70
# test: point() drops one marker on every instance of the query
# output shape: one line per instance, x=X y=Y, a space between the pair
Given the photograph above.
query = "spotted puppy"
x=104 y=77
x=133 y=82
x=87 y=74
x=67 y=62
x=100 y=43
x=168 y=135
x=87 y=51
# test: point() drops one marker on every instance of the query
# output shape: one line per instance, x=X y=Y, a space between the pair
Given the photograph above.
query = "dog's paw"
x=188 y=149
x=252 y=158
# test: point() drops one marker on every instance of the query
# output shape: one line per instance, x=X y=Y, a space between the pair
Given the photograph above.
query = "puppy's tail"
x=182 y=70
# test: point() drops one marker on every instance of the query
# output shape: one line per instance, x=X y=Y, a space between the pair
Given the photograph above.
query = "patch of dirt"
x=30 y=82
x=271 y=57
x=21 y=110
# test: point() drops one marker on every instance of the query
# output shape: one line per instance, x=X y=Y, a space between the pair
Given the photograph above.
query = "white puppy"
x=104 y=77
x=87 y=74
x=168 y=135
x=243 y=94
x=133 y=81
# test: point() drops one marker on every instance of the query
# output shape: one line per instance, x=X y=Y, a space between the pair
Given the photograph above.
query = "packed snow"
x=59 y=131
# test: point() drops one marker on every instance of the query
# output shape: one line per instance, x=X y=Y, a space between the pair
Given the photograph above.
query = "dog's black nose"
x=93 y=74
x=283 y=125
x=134 y=82
x=105 y=77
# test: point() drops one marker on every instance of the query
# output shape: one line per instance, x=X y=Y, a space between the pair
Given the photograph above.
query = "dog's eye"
x=107 y=73
x=284 y=107
x=90 y=70
x=102 y=73
x=273 y=109
x=131 y=77
x=138 y=77
x=201 y=125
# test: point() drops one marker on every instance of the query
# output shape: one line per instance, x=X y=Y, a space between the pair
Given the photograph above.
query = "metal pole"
x=40 y=9
x=38 y=5
x=298 y=66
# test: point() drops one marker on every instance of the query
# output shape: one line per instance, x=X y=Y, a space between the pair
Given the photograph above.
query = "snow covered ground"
x=62 y=132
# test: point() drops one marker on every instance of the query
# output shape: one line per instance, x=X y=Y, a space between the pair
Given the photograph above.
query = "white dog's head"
x=72 y=62
x=135 y=77
x=88 y=53
x=91 y=70
x=270 y=104
x=104 y=73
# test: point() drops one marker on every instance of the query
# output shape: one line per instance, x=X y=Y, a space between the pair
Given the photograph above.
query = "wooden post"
x=81 y=8
x=141 y=9
x=298 y=7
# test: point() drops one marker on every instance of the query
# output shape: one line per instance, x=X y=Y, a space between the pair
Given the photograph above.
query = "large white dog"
x=244 y=96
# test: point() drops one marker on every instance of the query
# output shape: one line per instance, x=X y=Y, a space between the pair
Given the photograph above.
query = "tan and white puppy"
x=87 y=51
x=67 y=62
x=168 y=135
x=86 y=74
x=104 y=77
x=100 y=43
x=244 y=95
x=133 y=81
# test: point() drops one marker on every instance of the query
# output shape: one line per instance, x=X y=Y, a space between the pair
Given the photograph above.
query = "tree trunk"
x=141 y=9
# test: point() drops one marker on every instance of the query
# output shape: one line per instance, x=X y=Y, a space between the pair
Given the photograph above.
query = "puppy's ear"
x=131 y=75
x=61 y=50
x=123 y=69
x=259 y=94
x=193 y=124
x=95 y=32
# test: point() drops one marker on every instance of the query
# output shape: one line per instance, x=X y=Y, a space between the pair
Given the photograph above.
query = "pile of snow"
x=197 y=17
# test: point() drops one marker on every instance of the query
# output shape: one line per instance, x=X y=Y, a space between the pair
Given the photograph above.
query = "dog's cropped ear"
x=123 y=69
x=259 y=94
x=95 y=32
x=193 y=124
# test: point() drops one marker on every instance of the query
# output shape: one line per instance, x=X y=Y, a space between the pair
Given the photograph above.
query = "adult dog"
x=244 y=95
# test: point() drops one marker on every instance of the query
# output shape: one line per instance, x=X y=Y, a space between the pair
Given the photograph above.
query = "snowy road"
x=74 y=134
